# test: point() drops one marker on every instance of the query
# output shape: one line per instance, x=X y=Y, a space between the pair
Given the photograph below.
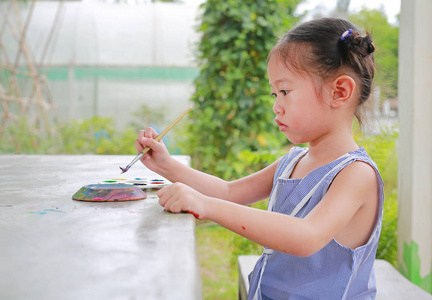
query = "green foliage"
x=232 y=107
x=96 y=135
x=386 y=37
x=22 y=138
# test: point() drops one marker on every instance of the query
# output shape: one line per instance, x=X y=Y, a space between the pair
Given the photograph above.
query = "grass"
x=219 y=276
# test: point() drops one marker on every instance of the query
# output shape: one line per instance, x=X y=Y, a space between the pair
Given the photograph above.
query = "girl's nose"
x=277 y=108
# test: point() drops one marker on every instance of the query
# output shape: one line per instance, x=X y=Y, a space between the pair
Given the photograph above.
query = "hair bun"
x=360 y=44
x=370 y=44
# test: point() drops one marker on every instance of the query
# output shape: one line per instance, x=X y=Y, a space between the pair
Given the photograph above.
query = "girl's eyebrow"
x=284 y=80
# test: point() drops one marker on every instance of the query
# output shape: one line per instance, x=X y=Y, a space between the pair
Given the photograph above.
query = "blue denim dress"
x=334 y=272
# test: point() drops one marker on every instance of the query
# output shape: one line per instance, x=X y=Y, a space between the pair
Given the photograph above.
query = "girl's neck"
x=329 y=148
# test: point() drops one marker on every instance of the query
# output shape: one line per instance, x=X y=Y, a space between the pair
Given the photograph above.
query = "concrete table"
x=52 y=247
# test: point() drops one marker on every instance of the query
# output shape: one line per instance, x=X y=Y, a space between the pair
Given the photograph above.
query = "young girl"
x=321 y=229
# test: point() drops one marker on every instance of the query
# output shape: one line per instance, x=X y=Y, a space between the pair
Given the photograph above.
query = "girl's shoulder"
x=361 y=166
x=362 y=155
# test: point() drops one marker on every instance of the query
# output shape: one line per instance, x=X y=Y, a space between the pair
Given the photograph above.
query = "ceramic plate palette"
x=141 y=182
x=109 y=192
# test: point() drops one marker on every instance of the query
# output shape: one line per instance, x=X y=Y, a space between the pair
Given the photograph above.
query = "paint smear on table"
x=45 y=211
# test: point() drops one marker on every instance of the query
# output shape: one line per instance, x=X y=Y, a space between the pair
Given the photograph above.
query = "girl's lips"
x=282 y=126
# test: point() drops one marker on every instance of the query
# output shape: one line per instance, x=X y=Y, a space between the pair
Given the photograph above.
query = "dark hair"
x=316 y=47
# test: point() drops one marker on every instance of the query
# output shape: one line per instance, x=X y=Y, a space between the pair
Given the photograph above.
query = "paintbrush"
x=158 y=138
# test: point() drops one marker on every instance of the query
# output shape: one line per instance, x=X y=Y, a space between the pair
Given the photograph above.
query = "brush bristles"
x=124 y=170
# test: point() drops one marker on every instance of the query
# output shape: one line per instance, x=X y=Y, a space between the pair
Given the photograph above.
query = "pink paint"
x=244 y=228
x=194 y=213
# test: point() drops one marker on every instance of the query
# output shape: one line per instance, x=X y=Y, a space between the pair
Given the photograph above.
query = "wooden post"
x=415 y=143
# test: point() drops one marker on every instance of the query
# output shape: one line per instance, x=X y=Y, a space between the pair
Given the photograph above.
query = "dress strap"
x=312 y=191
x=287 y=170
x=267 y=251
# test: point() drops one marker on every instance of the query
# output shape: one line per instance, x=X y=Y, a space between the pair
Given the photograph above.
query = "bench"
x=390 y=283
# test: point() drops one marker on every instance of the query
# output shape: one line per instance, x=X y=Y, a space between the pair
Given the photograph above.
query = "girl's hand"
x=158 y=156
x=179 y=197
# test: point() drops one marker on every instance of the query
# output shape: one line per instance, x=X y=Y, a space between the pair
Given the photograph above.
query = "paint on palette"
x=109 y=192
x=141 y=182
x=157 y=181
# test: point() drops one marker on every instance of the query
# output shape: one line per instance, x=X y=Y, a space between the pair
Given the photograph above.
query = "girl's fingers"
x=140 y=134
x=153 y=144
x=150 y=133
x=175 y=207
x=138 y=146
x=147 y=133
x=163 y=195
x=162 y=191
x=169 y=200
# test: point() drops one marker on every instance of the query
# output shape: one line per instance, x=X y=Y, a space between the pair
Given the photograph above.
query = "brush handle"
x=161 y=135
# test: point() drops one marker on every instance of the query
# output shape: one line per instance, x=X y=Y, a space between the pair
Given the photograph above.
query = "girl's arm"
x=244 y=191
x=349 y=205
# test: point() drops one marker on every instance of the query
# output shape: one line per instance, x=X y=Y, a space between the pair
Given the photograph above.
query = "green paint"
x=411 y=267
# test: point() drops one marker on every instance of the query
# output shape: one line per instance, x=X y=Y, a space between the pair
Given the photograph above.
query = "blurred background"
x=81 y=77
x=134 y=62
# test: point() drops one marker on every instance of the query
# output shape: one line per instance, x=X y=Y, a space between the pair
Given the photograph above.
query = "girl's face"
x=301 y=115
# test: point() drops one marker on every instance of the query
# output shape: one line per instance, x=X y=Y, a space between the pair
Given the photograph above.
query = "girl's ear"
x=342 y=90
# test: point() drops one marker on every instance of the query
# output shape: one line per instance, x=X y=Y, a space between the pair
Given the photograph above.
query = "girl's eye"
x=284 y=92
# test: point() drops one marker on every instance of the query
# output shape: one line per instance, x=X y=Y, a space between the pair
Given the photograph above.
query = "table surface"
x=53 y=247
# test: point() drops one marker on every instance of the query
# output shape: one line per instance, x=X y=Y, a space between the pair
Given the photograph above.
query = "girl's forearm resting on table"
x=274 y=230
x=277 y=231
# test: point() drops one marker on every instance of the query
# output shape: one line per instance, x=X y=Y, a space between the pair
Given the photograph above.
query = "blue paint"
x=44 y=212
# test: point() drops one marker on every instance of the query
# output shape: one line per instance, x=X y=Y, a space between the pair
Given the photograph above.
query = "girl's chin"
x=295 y=139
